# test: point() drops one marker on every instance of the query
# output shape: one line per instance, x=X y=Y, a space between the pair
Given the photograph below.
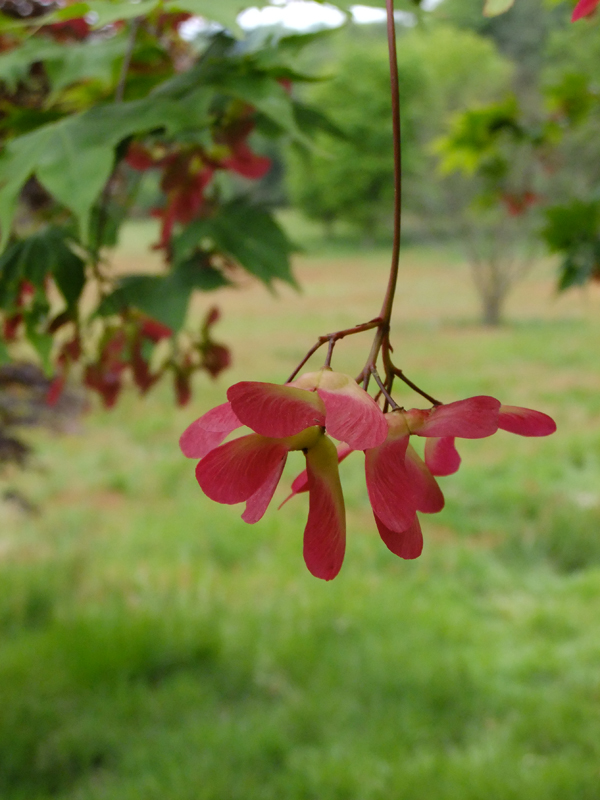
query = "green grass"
x=152 y=645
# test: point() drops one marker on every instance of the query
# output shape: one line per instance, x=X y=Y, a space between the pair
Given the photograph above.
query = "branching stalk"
x=332 y=338
x=381 y=342
x=384 y=392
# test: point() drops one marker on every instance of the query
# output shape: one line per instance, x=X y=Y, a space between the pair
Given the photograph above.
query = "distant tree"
x=521 y=34
x=497 y=159
x=464 y=70
x=572 y=226
x=348 y=177
x=511 y=169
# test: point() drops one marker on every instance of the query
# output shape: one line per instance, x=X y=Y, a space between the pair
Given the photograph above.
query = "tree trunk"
x=329 y=228
x=492 y=309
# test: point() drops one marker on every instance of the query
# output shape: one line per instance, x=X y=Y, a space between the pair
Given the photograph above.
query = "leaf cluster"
x=80 y=86
x=573 y=231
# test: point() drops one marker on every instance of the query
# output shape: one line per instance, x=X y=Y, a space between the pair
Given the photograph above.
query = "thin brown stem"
x=133 y=29
x=388 y=300
x=382 y=334
x=332 y=338
x=381 y=340
x=392 y=371
x=329 y=352
x=398 y=372
x=388 y=397
x=311 y=352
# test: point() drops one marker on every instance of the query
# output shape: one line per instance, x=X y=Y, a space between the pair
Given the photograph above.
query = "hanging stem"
x=381 y=341
x=388 y=300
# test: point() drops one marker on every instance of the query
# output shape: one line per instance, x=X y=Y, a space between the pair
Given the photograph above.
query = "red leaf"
x=183 y=388
x=139 y=158
x=352 y=416
x=406 y=544
x=429 y=497
x=441 y=456
x=216 y=358
x=273 y=410
x=391 y=491
x=525 y=421
x=325 y=532
x=473 y=418
x=246 y=163
x=233 y=472
x=259 y=502
x=207 y=432
x=154 y=330
x=55 y=390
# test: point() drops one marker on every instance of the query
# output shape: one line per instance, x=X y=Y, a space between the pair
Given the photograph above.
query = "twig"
x=133 y=30
x=332 y=338
x=381 y=341
x=398 y=372
x=388 y=397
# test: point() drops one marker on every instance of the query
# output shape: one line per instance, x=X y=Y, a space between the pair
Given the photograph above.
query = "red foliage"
x=183 y=386
x=154 y=330
x=517 y=204
x=188 y=172
x=105 y=375
x=72 y=30
x=12 y=322
x=217 y=357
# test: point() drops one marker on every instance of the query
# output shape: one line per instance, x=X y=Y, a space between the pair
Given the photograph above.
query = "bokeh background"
x=153 y=646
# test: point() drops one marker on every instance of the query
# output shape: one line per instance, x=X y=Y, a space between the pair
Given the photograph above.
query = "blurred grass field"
x=155 y=647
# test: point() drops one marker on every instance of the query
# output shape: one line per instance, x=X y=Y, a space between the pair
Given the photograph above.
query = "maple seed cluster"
x=307 y=415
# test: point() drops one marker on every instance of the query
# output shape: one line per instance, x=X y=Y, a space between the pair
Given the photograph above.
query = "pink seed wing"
x=525 y=421
x=273 y=410
x=441 y=456
x=391 y=490
x=473 y=418
x=236 y=470
x=429 y=496
x=257 y=504
x=352 y=414
x=583 y=9
x=207 y=432
x=300 y=482
x=406 y=544
x=325 y=532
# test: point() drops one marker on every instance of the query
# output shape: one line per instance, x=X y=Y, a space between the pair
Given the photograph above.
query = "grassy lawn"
x=154 y=647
